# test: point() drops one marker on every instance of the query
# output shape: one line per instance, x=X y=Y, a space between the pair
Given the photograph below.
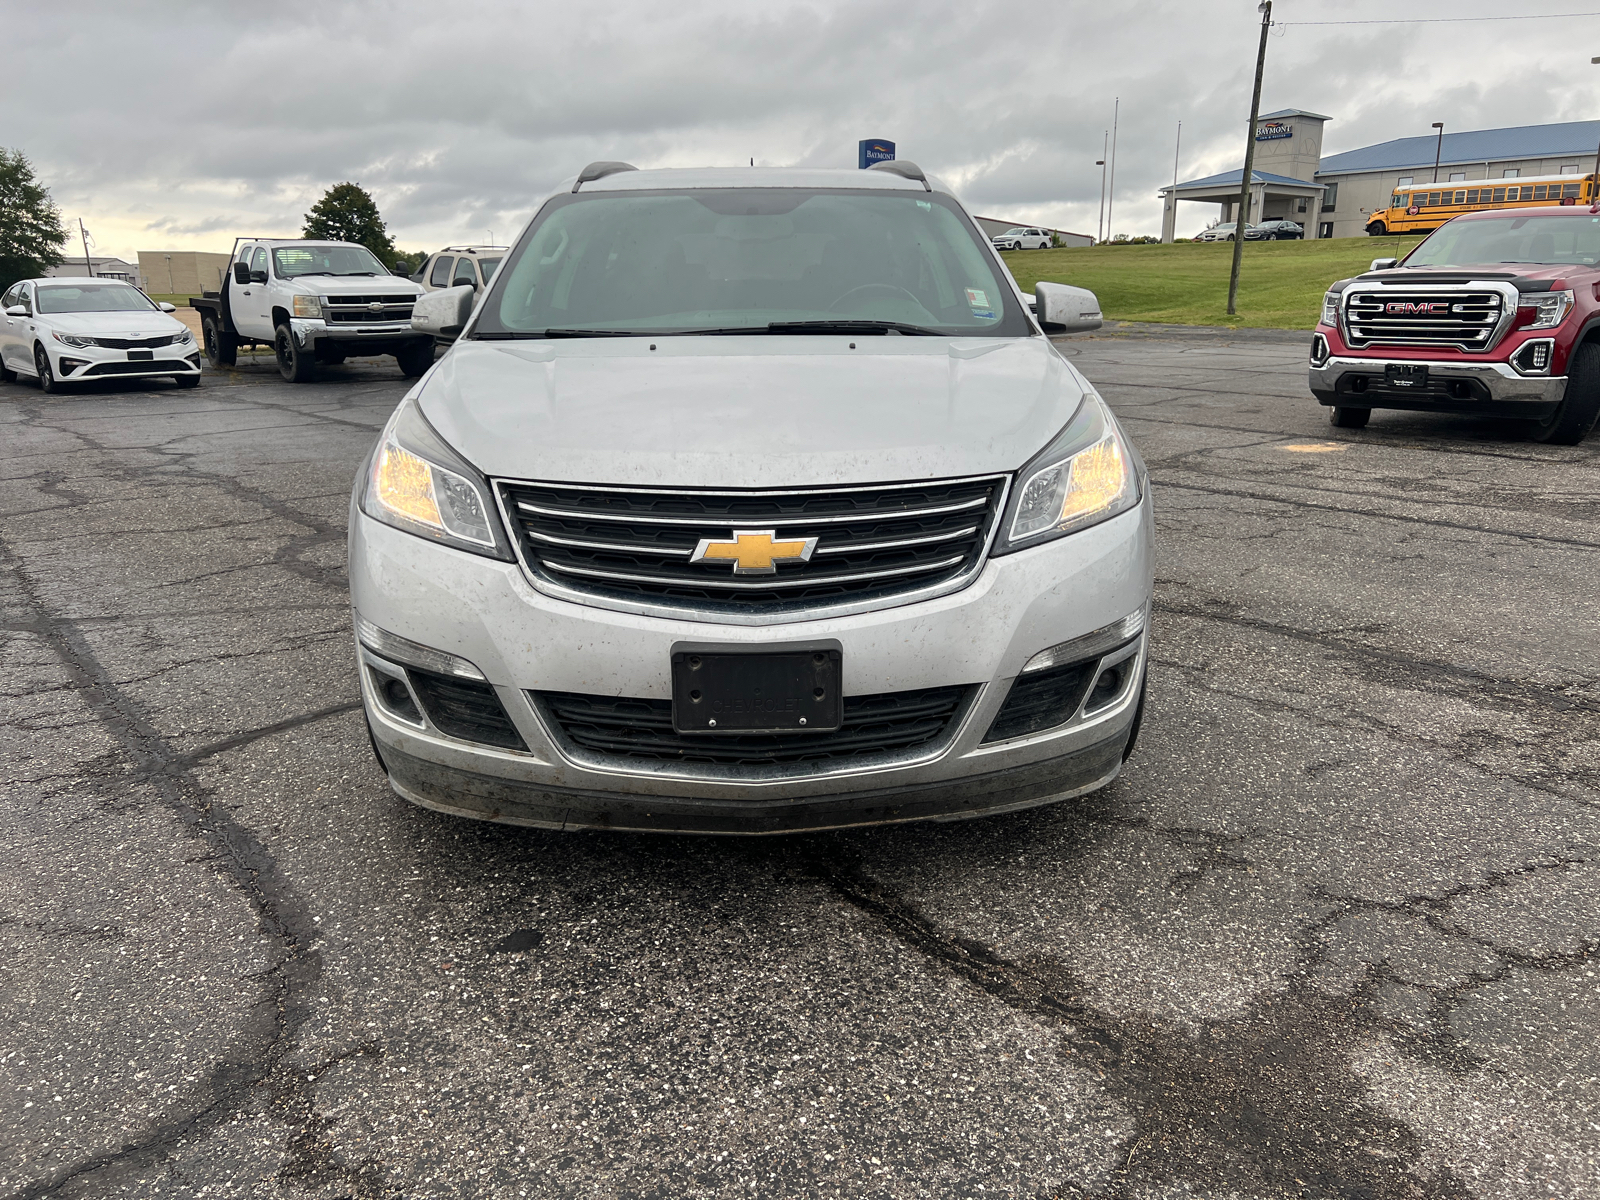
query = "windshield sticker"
x=978 y=298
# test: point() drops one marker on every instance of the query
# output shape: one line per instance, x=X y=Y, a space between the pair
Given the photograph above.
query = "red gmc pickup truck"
x=1494 y=313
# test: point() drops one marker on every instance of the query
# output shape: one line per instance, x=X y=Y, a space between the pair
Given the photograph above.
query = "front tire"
x=7 y=375
x=415 y=360
x=1377 y=229
x=1575 y=416
x=48 y=383
x=186 y=381
x=222 y=349
x=294 y=364
x=1348 y=418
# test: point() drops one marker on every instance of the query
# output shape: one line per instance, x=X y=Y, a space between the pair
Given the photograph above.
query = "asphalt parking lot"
x=1333 y=933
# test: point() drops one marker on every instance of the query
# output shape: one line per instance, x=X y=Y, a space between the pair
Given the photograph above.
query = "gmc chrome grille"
x=637 y=544
x=1469 y=320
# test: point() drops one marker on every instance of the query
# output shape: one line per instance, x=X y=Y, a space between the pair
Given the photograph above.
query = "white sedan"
x=72 y=329
x=1022 y=238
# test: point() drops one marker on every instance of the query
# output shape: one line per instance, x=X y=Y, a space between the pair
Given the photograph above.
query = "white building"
x=102 y=268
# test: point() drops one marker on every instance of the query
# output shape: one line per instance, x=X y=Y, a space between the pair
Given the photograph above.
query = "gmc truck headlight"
x=410 y=487
x=308 y=306
x=1548 y=309
x=1330 y=309
x=1087 y=475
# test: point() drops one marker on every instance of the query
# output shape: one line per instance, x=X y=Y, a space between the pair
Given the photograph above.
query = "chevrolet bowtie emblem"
x=754 y=552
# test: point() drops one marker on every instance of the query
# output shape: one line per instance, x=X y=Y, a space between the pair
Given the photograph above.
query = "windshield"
x=93 y=297
x=325 y=260
x=487 y=266
x=740 y=260
x=1511 y=239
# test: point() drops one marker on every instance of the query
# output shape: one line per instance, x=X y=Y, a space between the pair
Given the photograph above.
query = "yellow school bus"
x=1423 y=209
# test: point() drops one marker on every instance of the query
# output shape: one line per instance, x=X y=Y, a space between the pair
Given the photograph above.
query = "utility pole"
x=1438 y=149
x=1265 y=9
x=84 y=233
x=1111 y=190
x=1176 y=150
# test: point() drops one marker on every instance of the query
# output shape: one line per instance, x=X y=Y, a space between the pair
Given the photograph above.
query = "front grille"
x=358 y=310
x=642 y=729
x=152 y=367
x=465 y=708
x=149 y=343
x=872 y=542
x=1468 y=320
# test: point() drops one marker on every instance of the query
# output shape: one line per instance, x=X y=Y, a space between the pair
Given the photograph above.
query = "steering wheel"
x=870 y=291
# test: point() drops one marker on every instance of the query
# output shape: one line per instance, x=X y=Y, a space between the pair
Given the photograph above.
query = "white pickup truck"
x=312 y=302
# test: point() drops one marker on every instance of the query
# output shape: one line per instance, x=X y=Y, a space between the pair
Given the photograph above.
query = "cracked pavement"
x=1333 y=933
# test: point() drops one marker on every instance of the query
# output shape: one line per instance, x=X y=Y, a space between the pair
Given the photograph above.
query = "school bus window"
x=1461 y=197
x=1538 y=191
x=1472 y=195
x=1570 y=189
x=1499 y=195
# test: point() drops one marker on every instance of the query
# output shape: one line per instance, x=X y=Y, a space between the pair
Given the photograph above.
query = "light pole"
x=1265 y=9
x=1437 y=149
x=1100 y=223
x=1594 y=187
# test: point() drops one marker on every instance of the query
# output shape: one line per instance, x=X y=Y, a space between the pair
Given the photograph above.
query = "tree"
x=31 y=233
x=346 y=213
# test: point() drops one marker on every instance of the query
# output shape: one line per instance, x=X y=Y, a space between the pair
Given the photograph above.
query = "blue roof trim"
x=1234 y=177
x=1574 y=138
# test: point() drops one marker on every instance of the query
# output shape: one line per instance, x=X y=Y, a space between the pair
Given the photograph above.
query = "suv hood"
x=750 y=411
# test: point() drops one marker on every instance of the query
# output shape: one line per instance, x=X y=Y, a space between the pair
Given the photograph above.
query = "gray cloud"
x=223 y=119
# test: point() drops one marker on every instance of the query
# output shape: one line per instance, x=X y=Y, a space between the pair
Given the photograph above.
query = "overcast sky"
x=177 y=126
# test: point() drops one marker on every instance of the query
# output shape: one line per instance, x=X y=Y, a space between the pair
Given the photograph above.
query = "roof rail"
x=902 y=167
x=599 y=170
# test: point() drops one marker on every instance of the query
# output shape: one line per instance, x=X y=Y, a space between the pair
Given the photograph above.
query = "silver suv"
x=751 y=501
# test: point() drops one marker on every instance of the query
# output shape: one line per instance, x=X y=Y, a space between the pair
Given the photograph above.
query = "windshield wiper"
x=583 y=333
x=345 y=272
x=298 y=274
x=866 y=326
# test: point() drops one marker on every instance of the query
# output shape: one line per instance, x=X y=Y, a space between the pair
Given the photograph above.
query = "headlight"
x=69 y=340
x=1330 y=309
x=181 y=339
x=1085 y=476
x=308 y=306
x=409 y=487
x=1549 y=309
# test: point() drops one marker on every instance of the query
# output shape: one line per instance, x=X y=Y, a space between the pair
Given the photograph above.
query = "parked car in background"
x=69 y=330
x=1222 y=233
x=457 y=265
x=1023 y=239
x=312 y=302
x=751 y=501
x=1495 y=314
x=1274 y=231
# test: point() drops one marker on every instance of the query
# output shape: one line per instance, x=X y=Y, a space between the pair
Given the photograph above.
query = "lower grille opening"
x=1041 y=700
x=138 y=368
x=466 y=709
x=1436 y=388
x=642 y=729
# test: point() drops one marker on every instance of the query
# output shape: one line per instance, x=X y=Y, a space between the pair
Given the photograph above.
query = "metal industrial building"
x=1335 y=196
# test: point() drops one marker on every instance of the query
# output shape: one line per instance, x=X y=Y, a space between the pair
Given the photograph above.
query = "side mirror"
x=17 y=310
x=402 y=269
x=241 y=272
x=258 y=276
x=443 y=313
x=165 y=307
x=1062 y=308
x=1384 y=264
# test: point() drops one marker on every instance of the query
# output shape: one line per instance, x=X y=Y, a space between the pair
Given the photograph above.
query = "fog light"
x=69 y=365
x=1533 y=358
x=1111 y=684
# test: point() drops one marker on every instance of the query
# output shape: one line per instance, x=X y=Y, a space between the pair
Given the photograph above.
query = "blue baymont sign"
x=1271 y=131
x=874 y=150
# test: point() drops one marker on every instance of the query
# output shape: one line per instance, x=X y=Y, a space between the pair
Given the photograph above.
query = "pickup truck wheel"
x=47 y=378
x=1575 y=415
x=294 y=364
x=222 y=349
x=1348 y=418
x=415 y=359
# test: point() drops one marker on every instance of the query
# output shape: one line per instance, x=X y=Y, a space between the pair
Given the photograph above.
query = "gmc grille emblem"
x=1413 y=308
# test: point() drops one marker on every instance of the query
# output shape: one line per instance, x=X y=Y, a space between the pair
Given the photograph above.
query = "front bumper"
x=1490 y=389
x=80 y=364
x=378 y=338
x=486 y=612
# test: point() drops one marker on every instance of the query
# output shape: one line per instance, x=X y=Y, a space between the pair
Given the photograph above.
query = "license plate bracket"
x=141 y=355
x=1409 y=376
x=792 y=689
